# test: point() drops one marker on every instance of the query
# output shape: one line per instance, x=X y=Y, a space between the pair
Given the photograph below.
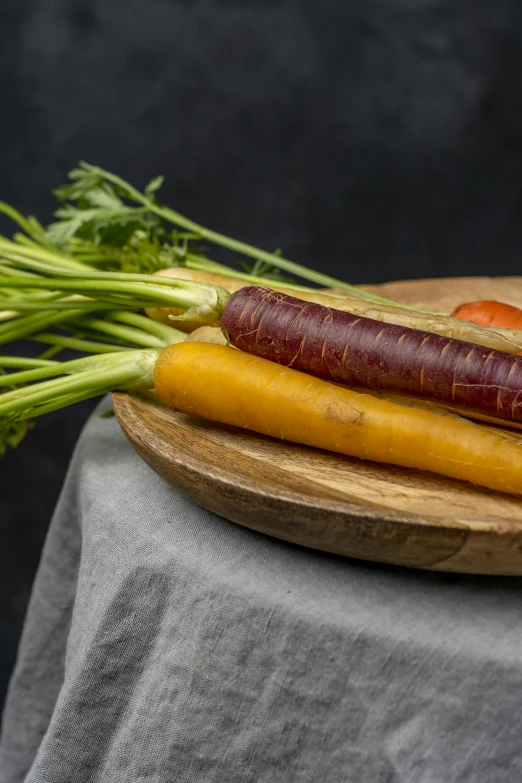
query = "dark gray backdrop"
x=372 y=139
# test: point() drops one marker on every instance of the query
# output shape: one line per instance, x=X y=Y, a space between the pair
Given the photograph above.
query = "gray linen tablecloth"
x=164 y=643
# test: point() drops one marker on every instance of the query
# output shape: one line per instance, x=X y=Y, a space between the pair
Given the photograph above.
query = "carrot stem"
x=64 y=401
x=26 y=305
x=167 y=334
x=76 y=344
x=111 y=371
x=47 y=370
x=235 y=245
x=129 y=333
x=137 y=290
x=194 y=262
x=17 y=216
x=22 y=361
x=19 y=253
x=23 y=327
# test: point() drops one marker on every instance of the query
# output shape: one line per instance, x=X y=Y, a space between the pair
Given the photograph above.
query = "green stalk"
x=76 y=344
x=11 y=271
x=19 y=278
x=193 y=262
x=32 y=261
x=40 y=298
x=79 y=329
x=138 y=330
x=97 y=258
x=22 y=361
x=22 y=239
x=20 y=328
x=168 y=334
x=183 y=294
x=89 y=252
x=48 y=370
x=271 y=258
x=79 y=379
x=13 y=213
x=69 y=276
x=26 y=304
x=130 y=370
x=9 y=315
x=63 y=401
x=127 y=333
x=9 y=248
x=243 y=248
x=6 y=269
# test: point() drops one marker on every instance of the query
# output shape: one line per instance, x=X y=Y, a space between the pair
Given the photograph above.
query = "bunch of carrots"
x=335 y=368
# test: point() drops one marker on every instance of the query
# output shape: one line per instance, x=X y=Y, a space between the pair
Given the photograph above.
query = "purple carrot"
x=357 y=351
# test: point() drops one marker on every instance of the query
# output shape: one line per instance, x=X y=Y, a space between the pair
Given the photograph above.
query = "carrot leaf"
x=121 y=204
x=12 y=431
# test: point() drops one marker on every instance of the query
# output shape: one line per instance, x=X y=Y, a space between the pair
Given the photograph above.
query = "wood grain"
x=333 y=503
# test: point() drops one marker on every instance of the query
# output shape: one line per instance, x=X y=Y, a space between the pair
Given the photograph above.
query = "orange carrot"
x=228 y=386
x=490 y=313
x=231 y=387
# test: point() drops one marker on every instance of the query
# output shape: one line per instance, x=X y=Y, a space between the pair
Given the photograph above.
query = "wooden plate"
x=333 y=503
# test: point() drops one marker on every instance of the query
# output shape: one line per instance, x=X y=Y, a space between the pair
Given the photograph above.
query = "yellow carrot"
x=213 y=334
x=231 y=387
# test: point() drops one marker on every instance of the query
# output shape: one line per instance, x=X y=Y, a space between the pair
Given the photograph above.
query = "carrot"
x=500 y=339
x=231 y=387
x=362 y=352
x=490 y=313
x=228 y=386
x=213 y=334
